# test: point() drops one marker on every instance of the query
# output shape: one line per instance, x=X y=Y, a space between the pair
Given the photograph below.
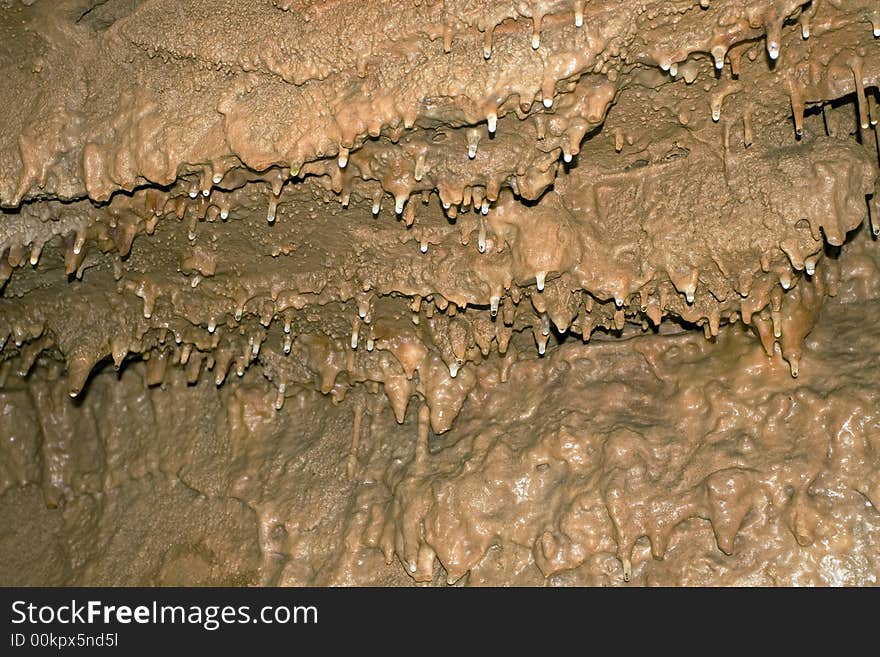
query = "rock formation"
x=548 y=291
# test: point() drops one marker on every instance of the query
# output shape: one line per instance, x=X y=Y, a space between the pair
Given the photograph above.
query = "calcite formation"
x=548 y=291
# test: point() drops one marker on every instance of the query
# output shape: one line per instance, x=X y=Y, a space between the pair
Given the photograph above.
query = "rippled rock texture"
x=539 y=292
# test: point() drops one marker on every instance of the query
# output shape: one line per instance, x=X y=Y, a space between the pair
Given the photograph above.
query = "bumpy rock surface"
x=551 y=291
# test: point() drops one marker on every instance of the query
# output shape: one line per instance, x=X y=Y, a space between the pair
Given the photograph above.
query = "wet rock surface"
x=552 y=292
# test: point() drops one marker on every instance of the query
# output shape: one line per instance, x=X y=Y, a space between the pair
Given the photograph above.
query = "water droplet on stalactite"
x=773 y=31
x=493 y=305
x=354 y=334
x=279 y=399
x=545 y=324
x=541 y=340
x=473 y=140
x=492 y=123
x=399 y=202
x=487 y=42
x=673 y=69
x=423 y=247
x=481 y=237
x=537 y=19
x=547 y=102
x=540 y=278
x=453 y=369
x=579 y=13
x=342 y=161
x=873 y=110
x=420 y=168
x=718 y=53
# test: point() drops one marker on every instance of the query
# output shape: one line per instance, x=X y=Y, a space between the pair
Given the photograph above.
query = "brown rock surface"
x=554 y=291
